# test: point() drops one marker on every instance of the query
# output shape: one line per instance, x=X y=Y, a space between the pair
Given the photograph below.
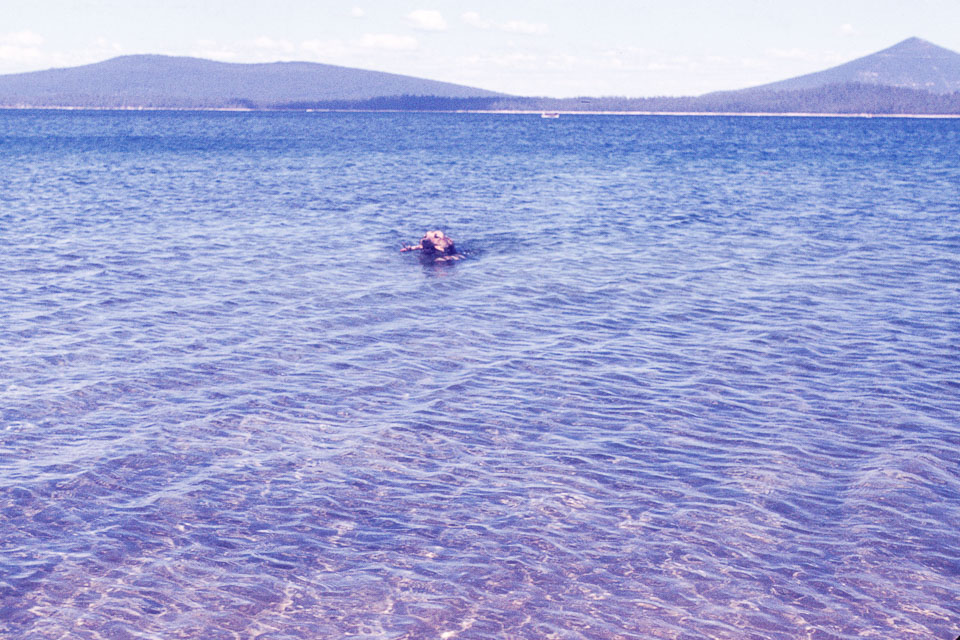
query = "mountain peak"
x=151 y=80
x=913 y=43
x=913 y=64
x=917 y=47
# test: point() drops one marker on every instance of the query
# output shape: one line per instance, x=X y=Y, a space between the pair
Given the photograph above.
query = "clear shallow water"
x=696 y=377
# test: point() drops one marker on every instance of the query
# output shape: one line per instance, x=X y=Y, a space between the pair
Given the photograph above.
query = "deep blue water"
x=694 y=378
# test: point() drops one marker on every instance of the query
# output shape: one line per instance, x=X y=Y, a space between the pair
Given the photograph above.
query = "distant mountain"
x=912 y=77
x=155 y=81
x=911 y=64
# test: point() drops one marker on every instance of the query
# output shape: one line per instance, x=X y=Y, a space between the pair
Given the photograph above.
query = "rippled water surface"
x=694 y=377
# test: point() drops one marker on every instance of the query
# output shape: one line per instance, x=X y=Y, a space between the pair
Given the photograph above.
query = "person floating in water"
x=436 y=247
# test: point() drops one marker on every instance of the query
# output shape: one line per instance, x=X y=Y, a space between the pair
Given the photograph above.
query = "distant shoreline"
x=912 y=79
x=714 y=114
x=711 y=114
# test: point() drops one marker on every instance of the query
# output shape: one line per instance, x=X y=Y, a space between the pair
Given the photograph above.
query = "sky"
x=558 y=48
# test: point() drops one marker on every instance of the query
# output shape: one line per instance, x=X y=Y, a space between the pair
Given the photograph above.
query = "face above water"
x=436 y=241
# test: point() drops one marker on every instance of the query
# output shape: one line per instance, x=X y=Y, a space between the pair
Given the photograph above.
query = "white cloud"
x=21 y=39
x=105 y=48
x=355 y=51
x=323 y=50
x=528 y=28
x=848 y=30
x=357 y=12
x=215 y=51
x=9 y=54
x=791 y=54
x=507 y=60
x=526 y=61
x=474 y=19
x=795 y=61
x=261 y=49
x=427 y=20
x=28 y=51
x=21 y=47
x=753 y=63
x=388 y=41
x=276 y=46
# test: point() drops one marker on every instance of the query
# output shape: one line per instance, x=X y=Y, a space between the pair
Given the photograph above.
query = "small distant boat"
x=550 y=114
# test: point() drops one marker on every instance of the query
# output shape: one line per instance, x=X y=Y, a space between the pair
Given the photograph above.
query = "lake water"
x=694 y=377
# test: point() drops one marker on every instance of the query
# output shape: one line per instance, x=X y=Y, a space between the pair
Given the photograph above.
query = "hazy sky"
x=528 y=47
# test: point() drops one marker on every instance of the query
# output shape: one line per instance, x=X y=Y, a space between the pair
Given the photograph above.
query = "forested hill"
x=911 y=64
x=851 y=98
x=912 y=77
x=152 y=81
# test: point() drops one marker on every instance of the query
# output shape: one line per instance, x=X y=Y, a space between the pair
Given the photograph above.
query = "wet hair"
x=436 y=242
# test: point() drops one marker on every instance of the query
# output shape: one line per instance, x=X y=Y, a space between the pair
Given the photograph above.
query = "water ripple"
x=693 y=377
